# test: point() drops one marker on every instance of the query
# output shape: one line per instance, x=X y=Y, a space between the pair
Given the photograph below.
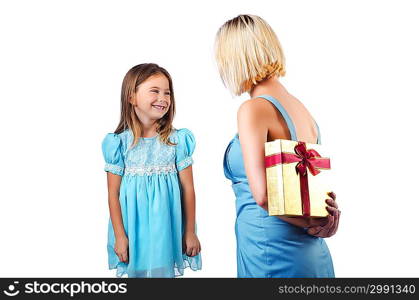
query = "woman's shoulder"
x=254 y=111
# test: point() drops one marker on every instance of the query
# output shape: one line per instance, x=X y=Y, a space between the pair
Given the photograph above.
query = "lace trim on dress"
x=185 y=163
x=114 y=169
x=150 y=170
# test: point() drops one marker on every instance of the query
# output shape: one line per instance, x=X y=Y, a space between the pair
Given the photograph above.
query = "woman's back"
x=266 y=245
x=305 y=126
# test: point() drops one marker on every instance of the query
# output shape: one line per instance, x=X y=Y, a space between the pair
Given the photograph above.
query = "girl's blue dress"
x=266 y=245
x=151 y=205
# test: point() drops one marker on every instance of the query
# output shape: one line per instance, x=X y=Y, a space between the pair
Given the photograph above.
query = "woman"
x=250 y=59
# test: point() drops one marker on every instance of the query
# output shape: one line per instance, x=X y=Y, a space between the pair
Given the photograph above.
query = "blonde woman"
x=250 y=60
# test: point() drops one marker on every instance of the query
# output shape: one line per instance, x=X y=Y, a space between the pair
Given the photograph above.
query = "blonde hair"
x=247 y=52
x=129 y=119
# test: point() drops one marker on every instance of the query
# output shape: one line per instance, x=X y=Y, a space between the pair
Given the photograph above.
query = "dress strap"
x=284 y=113
x=319 y=138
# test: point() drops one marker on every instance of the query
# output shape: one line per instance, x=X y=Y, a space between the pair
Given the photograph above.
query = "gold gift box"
x=283 y=182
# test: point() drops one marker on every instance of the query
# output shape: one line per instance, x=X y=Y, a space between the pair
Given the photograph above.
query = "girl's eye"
x=168 y=93
x=155 y=91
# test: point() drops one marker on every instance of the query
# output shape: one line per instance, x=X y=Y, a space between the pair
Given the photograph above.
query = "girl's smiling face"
x=152 y=99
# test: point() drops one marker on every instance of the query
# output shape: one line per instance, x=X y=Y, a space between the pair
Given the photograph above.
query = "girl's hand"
x=191 y=245
x=121 y=248
x=332 y=224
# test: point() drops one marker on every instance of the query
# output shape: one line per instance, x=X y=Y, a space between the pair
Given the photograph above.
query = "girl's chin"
x=157 y=115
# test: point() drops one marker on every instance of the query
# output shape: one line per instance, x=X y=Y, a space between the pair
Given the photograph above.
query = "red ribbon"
x=307 y=159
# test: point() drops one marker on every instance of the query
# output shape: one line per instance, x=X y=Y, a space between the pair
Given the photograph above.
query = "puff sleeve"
x=112 y=153
x=184 y=148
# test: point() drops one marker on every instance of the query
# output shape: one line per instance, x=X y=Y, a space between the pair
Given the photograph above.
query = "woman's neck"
x=268 y=86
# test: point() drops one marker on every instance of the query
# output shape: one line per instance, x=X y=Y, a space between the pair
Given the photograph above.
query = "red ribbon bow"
x=307 y=159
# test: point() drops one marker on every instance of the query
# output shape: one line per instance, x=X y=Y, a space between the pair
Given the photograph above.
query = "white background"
x=354 y=64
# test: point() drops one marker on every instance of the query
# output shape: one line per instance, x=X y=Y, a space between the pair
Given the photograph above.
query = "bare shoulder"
x=262 y=114
x=253 y=109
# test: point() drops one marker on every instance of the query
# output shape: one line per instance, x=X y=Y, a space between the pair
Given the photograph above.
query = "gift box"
x=298 y=178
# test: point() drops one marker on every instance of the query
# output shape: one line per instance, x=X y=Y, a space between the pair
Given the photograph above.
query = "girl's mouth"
x=159 y=107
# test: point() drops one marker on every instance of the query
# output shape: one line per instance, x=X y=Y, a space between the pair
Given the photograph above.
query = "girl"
x=250 y=59
x=151 y=230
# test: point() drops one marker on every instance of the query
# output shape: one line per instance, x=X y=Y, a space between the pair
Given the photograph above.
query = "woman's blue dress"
x=266 y=245
x=151 y=205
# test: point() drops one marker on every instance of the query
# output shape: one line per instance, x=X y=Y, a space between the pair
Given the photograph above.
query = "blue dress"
x=266 y=245
x=151 y=206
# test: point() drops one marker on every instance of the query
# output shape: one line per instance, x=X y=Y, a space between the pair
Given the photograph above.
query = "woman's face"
x=152 y=99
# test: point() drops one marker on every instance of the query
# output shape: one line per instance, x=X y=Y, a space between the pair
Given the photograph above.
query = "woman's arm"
x=191 y=243
x=121 y=240
x=253 y=132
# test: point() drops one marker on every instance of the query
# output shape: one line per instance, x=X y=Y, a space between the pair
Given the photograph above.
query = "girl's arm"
x=191 y=243
x=121 y=240
x=253 y=132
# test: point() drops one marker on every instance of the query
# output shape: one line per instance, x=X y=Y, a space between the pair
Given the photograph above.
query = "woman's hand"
x=332 y=224
x=121 y=248
x=191 y=245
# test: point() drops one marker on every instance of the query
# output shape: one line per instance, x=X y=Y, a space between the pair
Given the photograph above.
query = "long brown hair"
x=129 y=119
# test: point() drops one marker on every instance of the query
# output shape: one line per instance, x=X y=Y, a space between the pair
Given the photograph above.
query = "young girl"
x=150 y=184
